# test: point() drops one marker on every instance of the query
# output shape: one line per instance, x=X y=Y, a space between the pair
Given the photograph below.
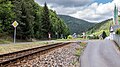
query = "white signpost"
x=15 y=24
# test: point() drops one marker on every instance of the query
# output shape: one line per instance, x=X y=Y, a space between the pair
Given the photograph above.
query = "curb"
x=117 y=45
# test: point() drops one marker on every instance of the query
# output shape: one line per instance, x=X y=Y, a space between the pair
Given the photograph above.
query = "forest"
x=35 y=21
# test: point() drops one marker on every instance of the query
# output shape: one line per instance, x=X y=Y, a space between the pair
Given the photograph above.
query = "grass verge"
x=17 y=47
x=74 y=39
x=80 y=49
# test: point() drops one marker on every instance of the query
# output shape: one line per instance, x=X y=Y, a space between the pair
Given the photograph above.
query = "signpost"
x=56 y=35
x=15 y=24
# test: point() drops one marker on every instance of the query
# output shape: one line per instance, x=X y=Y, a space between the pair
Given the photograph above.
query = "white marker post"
x=15 y=24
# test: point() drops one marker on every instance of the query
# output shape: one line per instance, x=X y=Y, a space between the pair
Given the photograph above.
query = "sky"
x=89 y=10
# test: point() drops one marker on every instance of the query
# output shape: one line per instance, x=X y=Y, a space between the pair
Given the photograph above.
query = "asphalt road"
x=100 y=53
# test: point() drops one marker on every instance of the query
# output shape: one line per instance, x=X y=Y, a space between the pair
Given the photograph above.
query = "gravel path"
x=61 y=57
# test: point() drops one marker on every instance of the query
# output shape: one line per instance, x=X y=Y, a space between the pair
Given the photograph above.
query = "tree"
x=34 y=21
x=46 y=21
x=58 y=25
x=28 y=18
x=24 y=13
x=6 y=16
x=104 y=35
x=18 y=17
x=38 y=24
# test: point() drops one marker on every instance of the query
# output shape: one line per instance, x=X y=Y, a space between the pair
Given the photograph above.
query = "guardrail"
x=116 y=38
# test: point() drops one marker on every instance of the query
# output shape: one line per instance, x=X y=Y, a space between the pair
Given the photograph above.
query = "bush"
x=93 y=37
x=104 y=35
x=70 y=37
x=118 y=31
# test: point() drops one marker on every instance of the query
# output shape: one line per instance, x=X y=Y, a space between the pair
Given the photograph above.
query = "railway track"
x=11 y=57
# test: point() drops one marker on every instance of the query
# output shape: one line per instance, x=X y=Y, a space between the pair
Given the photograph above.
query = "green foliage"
x=118 y=31
x=80 y=49
x=93 y=37
x=46 y=21
x=70 y=37
x=104 y=34
x=6 y=16
x=100 y=27
x=78 y=52
x=76 y=25
x=34 y=21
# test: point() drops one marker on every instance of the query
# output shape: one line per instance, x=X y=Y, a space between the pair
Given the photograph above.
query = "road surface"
x=100 y=53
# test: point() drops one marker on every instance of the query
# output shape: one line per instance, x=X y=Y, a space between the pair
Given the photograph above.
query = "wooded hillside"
x=77 y=25
x=34 y=21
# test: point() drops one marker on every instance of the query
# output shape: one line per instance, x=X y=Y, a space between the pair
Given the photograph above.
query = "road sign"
x=15 y=23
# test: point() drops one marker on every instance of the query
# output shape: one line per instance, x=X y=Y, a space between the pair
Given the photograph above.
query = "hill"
x=100 y=27
x=35 y=21
x=76 y=25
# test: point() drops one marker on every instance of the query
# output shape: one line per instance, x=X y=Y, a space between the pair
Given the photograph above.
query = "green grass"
x=80 y=49
x=100 y=27
x=78 y=52
x=73 y=39
x=74 y=62
x=83 y=44
x=4 y=41
x=17 y=47
x=101 y=31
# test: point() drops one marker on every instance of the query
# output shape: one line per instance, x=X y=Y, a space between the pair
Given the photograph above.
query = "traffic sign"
x=15 y=23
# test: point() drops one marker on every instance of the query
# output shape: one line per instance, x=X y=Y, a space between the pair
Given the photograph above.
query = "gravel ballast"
x=60 y=57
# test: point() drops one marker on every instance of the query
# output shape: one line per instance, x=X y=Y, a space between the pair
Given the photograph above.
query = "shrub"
x=93 y=37
x=70 y=37
x=104 y=35
x=118 y=31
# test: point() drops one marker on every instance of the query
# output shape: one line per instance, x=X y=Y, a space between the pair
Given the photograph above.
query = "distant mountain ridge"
x=76 y=25
x=102 y=26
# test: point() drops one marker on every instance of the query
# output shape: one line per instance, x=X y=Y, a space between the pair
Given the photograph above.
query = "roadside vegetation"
x=118 y=31
x=80 y=50
x=100 y=27
x=18 y=47
x=35 y=21
x=74 y=39
x=71 y=38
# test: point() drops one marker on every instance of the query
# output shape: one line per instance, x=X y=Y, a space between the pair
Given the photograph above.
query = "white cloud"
x=66 y=10
x=66 y=3
x=97 y=12
x=94 y=12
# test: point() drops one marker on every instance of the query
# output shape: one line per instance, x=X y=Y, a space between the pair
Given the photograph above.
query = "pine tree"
x=18 y=17
x=46 y=21
x=28 y=19
x=34 y=21
x=38 y=24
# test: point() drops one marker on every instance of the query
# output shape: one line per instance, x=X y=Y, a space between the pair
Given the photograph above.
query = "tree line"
x=34 y=21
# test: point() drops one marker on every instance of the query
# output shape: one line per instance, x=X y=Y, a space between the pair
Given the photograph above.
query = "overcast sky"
x=90 y=10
